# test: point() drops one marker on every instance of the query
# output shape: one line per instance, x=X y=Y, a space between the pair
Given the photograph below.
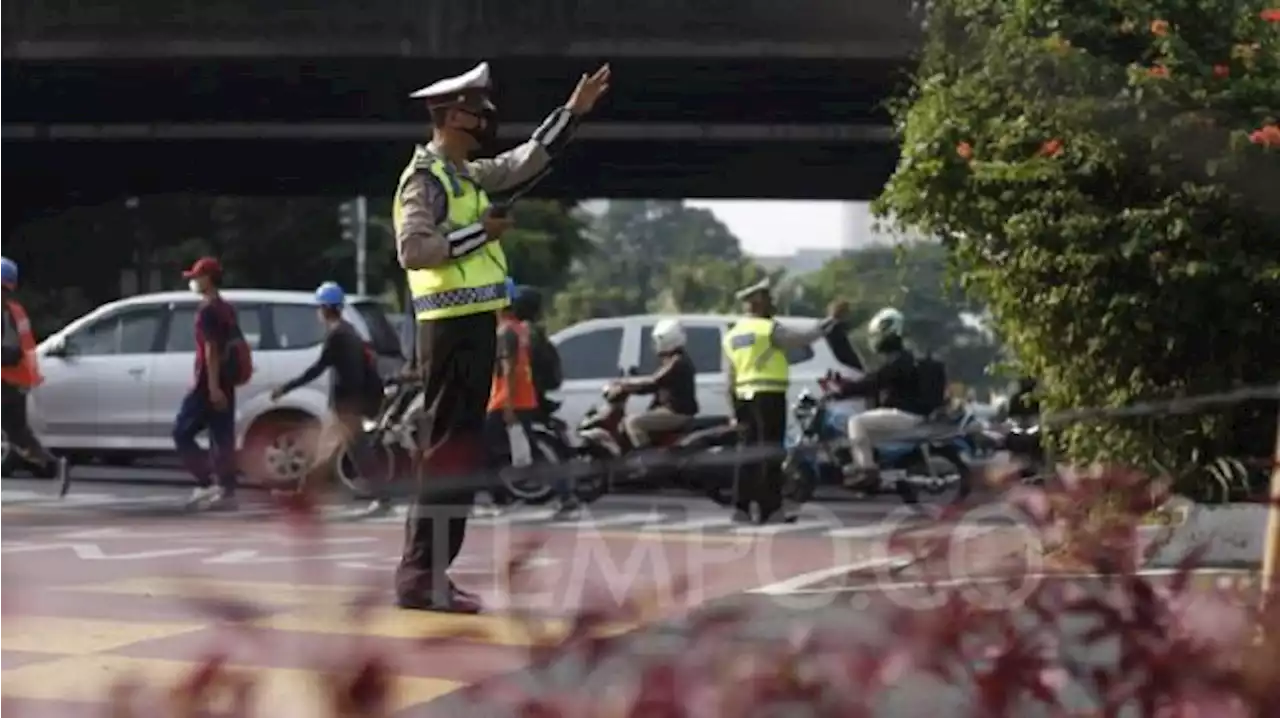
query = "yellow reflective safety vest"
x=759 y=367
x=472 y=284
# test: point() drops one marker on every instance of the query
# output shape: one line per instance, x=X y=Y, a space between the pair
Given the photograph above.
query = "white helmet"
x=887 y=321
x=668 y=336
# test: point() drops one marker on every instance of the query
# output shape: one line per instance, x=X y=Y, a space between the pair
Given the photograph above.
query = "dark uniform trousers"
x=456 y=357
x=763 y=421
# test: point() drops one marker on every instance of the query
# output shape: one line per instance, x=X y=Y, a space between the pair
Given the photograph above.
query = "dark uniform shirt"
x=895 y=384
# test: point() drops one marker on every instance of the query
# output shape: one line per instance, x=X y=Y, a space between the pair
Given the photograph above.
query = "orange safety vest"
x=26 y=374
x=523 y=395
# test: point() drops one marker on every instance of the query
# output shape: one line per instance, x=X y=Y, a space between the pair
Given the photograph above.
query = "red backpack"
x=237 y=356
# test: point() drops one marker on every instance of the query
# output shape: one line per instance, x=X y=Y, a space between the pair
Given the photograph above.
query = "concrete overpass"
x=718 y=98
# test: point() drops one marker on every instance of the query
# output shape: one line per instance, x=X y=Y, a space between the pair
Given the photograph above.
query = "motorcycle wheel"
x=943 y=474
x=800 y=480
x=591 y=473
x=534 y=490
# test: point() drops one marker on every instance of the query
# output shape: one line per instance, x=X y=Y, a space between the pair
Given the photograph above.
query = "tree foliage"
x=1104 y=174
x=941 y=320
x=655 y=255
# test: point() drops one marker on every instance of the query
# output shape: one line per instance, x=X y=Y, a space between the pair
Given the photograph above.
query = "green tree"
x=912 y=278
x=1104 y=176
x=647 y=256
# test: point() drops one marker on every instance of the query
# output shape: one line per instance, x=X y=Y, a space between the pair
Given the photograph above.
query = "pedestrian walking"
x=21 y=374
x=447 y=236
x=222 y=363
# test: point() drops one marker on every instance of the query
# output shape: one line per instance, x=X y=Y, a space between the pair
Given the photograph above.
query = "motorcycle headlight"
x=369 y=424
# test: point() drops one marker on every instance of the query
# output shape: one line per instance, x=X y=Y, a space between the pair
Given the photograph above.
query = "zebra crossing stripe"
x=649 y=517
x=698 y=524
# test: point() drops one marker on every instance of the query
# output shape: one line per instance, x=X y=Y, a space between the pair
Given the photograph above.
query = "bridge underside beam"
x=44 y=176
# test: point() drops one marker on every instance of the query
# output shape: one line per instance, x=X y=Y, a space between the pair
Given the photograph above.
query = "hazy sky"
x=777 y=226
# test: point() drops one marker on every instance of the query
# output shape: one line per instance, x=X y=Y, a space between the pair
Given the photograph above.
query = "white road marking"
x=797 y=584
x=774 y=529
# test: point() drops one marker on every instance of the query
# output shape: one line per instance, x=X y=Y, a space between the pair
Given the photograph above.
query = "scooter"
x=684 y=458
x=932 y=459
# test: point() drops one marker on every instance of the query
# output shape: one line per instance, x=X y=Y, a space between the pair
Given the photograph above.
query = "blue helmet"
x=330 y=294
x=8 y=271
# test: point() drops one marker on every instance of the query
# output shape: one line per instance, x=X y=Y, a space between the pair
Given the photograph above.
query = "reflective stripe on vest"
x=523 y=395
x=758 y=366
x=473 y=284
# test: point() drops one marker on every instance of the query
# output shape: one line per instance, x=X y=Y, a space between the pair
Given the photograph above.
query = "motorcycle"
x=393 y=434
x=683 y=458
x=932 y=460
x=1020 y=436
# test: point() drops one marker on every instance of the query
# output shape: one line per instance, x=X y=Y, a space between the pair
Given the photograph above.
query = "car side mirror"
x=60 y=348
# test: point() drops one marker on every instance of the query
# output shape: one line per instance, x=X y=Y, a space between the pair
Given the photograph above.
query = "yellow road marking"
x=78 y=636
x=280 y=692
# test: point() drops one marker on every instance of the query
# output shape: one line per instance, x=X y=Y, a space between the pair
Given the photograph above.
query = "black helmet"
x=527 y=303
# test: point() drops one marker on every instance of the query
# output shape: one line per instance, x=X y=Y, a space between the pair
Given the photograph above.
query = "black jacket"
x=674 y=385
x=893 y=385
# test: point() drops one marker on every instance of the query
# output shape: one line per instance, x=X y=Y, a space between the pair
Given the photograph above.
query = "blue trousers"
x=197 y=414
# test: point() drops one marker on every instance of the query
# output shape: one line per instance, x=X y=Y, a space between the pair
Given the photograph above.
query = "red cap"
x=204 y=267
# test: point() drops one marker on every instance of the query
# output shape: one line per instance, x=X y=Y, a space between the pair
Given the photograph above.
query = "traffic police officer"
x=757 y=348
x=447 y=229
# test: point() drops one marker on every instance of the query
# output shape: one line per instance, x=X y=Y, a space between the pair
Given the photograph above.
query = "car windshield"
x=382 y=335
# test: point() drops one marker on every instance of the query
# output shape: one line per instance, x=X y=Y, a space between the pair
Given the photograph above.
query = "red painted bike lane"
x=92 y=603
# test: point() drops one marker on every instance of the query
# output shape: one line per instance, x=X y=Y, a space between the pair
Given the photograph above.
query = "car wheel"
x=279 y=449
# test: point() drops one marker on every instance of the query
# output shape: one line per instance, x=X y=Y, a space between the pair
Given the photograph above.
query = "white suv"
x=113 y=379
x=597 y=351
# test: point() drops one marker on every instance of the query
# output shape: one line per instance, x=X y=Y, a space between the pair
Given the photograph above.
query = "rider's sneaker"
x=379 y=507
x=857 y=476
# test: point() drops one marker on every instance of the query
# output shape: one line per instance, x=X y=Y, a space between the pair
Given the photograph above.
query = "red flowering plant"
x=1102 y=176
x=1101 y=639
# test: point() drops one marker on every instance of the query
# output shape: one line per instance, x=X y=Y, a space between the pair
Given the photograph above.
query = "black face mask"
x=487 y=133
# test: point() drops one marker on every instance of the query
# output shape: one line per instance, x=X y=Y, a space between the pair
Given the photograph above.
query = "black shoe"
x=741 y=516
x=455 y=601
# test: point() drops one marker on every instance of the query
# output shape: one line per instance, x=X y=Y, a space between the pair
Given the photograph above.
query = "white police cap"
x=760 y=286
x=471 y=87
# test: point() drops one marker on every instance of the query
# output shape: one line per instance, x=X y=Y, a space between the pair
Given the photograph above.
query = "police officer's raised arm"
x=787 y=338
x=517 y=169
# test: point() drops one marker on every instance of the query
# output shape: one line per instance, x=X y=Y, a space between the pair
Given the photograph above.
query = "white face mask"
x=194 y=285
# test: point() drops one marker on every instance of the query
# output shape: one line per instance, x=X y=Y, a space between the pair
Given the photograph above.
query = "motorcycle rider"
x=355 y=390
x=675 y=399
x=894 y=389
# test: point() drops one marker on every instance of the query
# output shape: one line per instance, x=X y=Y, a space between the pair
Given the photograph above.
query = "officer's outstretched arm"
x=515 y=171
x=786 y=338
